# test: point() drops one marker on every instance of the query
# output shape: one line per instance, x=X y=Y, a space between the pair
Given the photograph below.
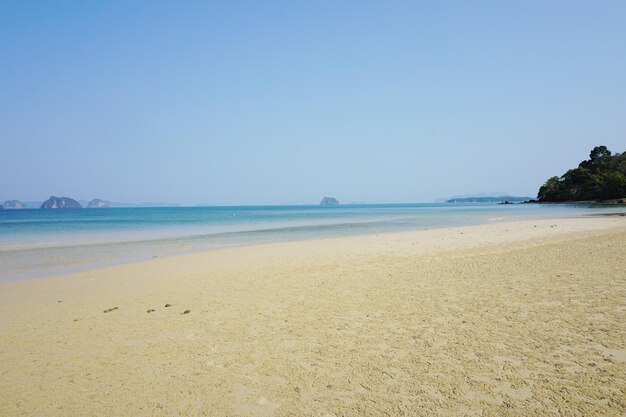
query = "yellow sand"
x=510 y=319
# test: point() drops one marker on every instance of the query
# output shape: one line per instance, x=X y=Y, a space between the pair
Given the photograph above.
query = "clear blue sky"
x=240 y=102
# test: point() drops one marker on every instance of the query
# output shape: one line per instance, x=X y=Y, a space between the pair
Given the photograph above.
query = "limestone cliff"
x=329 y=201
x=14 y=204
x=97 y=203
x=60 y=203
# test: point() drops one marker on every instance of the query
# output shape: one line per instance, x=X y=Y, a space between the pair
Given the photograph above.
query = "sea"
x=36 y=242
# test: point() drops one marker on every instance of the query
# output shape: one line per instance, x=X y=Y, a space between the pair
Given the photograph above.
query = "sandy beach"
x=506 y=319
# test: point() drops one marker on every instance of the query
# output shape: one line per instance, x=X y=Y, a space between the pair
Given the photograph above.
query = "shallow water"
x=37 y=242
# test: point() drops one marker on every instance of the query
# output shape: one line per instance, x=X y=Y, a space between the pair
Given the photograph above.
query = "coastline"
x=55 y=242
x=498 y=319
x=616 y=202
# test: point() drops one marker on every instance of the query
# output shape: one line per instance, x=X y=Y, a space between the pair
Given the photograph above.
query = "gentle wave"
x=40 y=242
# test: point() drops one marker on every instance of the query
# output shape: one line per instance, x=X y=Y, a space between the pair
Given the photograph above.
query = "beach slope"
x=507 y=319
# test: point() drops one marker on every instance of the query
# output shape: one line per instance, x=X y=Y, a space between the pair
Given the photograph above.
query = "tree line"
x=601 y=177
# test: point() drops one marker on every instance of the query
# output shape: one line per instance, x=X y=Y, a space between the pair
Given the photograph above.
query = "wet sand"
x=507 y=319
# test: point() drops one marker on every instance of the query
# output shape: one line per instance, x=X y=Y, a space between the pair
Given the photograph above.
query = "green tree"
x=602 y=176
x=614 y=186
x=599 y=159
x=619 y=162
x=551 y=190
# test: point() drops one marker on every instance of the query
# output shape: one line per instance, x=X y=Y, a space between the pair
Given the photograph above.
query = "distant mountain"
x=498 y=199
x=85 y=203
x=97 y=203
x=14 y=204
x=480 y=194
x=60 y=203
x=329 y=201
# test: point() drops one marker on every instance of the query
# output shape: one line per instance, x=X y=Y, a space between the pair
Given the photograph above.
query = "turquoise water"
x=42 y=242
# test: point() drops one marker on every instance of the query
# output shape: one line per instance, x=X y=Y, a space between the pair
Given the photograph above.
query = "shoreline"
x=32 y=247
x=94 y=266
x=494 y=319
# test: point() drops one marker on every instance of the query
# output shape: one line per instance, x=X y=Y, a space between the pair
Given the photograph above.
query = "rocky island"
x=60 y=203
x=13 y=204
x=329 y=201
x=98 y=203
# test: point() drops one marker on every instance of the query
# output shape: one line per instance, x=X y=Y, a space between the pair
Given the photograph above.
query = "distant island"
x=599 y=178
x=67 y=202
x=97 y=203
x=13 y=205
x=60 y=203
x=329 y=201
x=500 y=199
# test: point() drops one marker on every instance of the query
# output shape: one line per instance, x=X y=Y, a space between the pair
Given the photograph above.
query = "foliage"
x=601 y=177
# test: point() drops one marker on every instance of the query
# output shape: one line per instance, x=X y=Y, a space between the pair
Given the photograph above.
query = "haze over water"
x=41 y=242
